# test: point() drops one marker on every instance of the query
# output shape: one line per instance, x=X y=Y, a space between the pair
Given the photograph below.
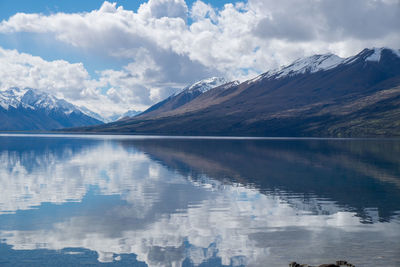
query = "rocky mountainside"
x=30 y=109
x=322 y=95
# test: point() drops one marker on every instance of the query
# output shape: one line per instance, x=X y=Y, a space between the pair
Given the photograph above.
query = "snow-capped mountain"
x=34 y=99
x=324 y=62
x=12 y=98
x=92 y=114
x=372 y=55
x=322 y=95
x=119 y=116
x=311 y=64
x=203 y=85
x=30 y=109
x=184 y=96
x=177 y=99
x=129 y=114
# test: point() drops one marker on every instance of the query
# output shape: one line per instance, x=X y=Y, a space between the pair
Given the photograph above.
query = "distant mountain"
x=29 y=109
x=322 y=95
x=93 y=114
x=122 y=116
x=129 y=114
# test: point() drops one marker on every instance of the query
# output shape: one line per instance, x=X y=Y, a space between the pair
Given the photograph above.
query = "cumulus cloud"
x=69 y=81
x=201 y=10
x=328 y=20
x=58 y=77
x=169 y=44
x=164 y=8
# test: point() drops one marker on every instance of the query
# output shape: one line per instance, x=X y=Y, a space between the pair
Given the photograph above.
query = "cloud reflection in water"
x=167 y=201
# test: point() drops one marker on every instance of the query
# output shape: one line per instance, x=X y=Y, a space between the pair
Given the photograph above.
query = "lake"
x=68 y=200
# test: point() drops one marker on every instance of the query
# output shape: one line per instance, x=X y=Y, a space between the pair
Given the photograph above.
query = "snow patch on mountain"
x=203 y=85
x=42 y=100
x=304 y=65
x=322 y=63
x=12 y=98
x=127 y=114
x=231 y=84
x=396 y=52
x=377 y=53
x=130 y=113
x=309 y=65
x=92 y=114
x=376 y=56
x=371 y=55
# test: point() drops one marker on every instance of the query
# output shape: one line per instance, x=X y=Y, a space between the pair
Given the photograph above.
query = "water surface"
x=154 y=201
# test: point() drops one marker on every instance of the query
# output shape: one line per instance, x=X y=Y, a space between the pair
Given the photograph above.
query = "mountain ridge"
x=183 y=96
x=31 y=109
x=353 y=97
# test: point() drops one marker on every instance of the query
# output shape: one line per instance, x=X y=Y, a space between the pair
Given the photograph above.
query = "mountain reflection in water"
x=214 y=202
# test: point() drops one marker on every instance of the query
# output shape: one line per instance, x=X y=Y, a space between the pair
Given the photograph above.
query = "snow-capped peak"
x=371 y=55
x=377 y=52
x=204 y=85
x=43 y=100
x=128 y=114
x=231 y=84
x=11 y=97
x=309 y=65
x=322 y=63
x=92 y=114
x=375 y=56
x=35 y=99
x=303 y=65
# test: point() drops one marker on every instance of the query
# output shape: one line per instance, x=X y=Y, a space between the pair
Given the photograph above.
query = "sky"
x=127 y=55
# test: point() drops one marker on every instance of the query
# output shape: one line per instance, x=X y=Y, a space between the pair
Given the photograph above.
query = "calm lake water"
x=137 y=201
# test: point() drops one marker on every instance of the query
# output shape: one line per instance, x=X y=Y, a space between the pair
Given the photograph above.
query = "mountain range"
x=30 y=109
x=322 y=95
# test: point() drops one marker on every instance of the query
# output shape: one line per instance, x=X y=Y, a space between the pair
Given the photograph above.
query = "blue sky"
x=114 y=57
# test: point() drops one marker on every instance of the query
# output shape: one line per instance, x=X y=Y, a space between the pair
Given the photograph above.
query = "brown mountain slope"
x=356 y=98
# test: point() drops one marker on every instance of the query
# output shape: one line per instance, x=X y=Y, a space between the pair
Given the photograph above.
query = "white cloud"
x=71 y=81
x=229 y=38
x=200 y=10
x=170 y=44
x=58 y=77
x=164 y=8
